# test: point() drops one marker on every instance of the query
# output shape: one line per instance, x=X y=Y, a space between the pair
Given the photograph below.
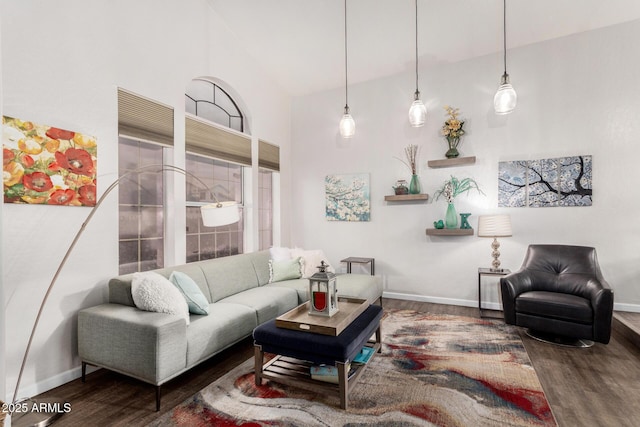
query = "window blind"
x=211 y=140
x=268 y=155
x=143 y=118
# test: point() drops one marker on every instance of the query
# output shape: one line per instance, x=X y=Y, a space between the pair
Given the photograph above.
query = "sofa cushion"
x=229 y=275
x=301 y=286
x=153 y=292
x=555 y=305
x=196 y=300
x=362 y=286
x=225 y=325
x=120 y=286
x=285 y=269
x=267 y=302
x=260 y=261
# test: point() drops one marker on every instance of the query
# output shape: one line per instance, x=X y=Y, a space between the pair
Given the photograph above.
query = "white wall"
x=576 y=95
x=61 y=64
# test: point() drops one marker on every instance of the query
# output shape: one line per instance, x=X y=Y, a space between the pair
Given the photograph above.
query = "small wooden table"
x=360 y=260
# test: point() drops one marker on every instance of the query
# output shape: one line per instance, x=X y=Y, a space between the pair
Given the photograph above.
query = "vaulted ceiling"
x=301 y=42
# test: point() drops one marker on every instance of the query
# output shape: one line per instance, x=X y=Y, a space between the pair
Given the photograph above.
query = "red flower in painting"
x=76 y=161
x=61 y=197
x=7 y=156
x=26 y=160
x=56 y=133
x=37 y=181
x=87 y=195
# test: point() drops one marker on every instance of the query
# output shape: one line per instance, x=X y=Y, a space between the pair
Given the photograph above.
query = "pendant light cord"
x=346 y=82
x=504 y=33
x=417 y=91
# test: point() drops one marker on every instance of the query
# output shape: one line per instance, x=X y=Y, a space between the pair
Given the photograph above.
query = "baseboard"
x=440 y=300
x=51 y=382
x=633 y=308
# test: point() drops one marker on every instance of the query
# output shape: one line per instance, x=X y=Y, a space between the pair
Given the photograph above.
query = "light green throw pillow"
x=285 y=270
x=196 y=300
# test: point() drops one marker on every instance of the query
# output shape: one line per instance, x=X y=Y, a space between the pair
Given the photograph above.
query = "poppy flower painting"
x=47 y=165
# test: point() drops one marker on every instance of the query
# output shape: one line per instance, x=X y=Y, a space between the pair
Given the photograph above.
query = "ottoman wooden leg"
x=343 y=384
x=258 y=357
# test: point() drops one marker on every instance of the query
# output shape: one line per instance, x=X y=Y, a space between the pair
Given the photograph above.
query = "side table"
x=488 y=272
x=359 y=260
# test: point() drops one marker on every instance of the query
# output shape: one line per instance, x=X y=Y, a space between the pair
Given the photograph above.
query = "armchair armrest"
x=148 y=346
x=602 y=304
x=514 y=284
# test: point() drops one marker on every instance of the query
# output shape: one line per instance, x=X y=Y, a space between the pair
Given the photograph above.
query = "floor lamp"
x=213 y=215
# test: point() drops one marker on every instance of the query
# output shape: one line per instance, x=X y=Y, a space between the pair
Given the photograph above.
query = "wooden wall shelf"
x=446 y=163
x=406 y=197
x=449 y=231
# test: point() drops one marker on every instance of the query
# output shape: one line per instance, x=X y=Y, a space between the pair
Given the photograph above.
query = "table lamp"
x=494 y=226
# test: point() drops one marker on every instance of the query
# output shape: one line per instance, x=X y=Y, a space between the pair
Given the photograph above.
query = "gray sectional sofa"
x=156 y=347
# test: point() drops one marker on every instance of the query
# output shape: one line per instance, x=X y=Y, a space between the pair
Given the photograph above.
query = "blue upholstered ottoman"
x=297 y=350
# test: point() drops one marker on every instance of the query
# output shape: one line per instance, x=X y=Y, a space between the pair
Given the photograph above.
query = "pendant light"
x=417 y=112
x=347 y=124
x=505 y=100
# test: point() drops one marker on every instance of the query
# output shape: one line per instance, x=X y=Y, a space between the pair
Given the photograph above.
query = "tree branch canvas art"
x=564 y=181
x=47 y=165
x=347 y=197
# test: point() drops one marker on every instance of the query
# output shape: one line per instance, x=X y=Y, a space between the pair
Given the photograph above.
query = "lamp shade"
x=347 y=126
x=218 y=214
x=417 y=113
x=494 y=226
x=505 y=99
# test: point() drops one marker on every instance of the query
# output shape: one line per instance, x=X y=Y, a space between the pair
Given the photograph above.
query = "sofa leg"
x=84 y=371
x=157 y=398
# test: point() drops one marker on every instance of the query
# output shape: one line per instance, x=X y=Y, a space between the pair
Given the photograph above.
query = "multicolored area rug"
x=435 y=370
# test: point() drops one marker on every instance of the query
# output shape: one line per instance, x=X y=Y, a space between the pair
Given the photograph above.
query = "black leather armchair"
x=559 y=290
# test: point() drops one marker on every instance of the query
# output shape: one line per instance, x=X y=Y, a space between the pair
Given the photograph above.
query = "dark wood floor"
x=599 y=386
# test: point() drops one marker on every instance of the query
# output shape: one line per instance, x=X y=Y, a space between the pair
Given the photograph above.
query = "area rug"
x=434 y=370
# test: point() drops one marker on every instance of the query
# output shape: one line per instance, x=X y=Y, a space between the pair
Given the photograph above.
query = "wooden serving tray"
x=299 y=318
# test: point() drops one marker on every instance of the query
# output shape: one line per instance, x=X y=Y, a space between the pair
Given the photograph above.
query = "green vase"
x=451 y=218
x=414 y=185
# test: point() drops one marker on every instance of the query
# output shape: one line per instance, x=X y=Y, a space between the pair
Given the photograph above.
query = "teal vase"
x=451 y=218
x=414 y=185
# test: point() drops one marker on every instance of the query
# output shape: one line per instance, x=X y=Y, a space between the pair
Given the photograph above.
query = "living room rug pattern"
x=436 y=370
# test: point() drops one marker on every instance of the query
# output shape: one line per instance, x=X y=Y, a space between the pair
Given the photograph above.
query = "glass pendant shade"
x=505 y=99
x=347 y=125
x=417 y=113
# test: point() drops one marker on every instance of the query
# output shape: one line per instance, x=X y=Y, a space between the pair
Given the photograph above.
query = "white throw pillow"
x=312 y=259
x=153 y=292
x=279 y=254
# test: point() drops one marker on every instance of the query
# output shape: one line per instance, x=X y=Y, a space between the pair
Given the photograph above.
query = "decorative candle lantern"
x=323 y=294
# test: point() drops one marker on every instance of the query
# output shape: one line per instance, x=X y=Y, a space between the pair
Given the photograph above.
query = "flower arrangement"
x=452 y=130
x=411 y=153
x=454 y=187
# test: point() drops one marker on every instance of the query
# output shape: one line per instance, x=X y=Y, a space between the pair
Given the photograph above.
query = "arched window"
x=207 y=100
x=218 y=165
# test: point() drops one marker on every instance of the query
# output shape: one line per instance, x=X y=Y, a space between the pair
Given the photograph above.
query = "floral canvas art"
x=47 y=165
x=347 y=197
